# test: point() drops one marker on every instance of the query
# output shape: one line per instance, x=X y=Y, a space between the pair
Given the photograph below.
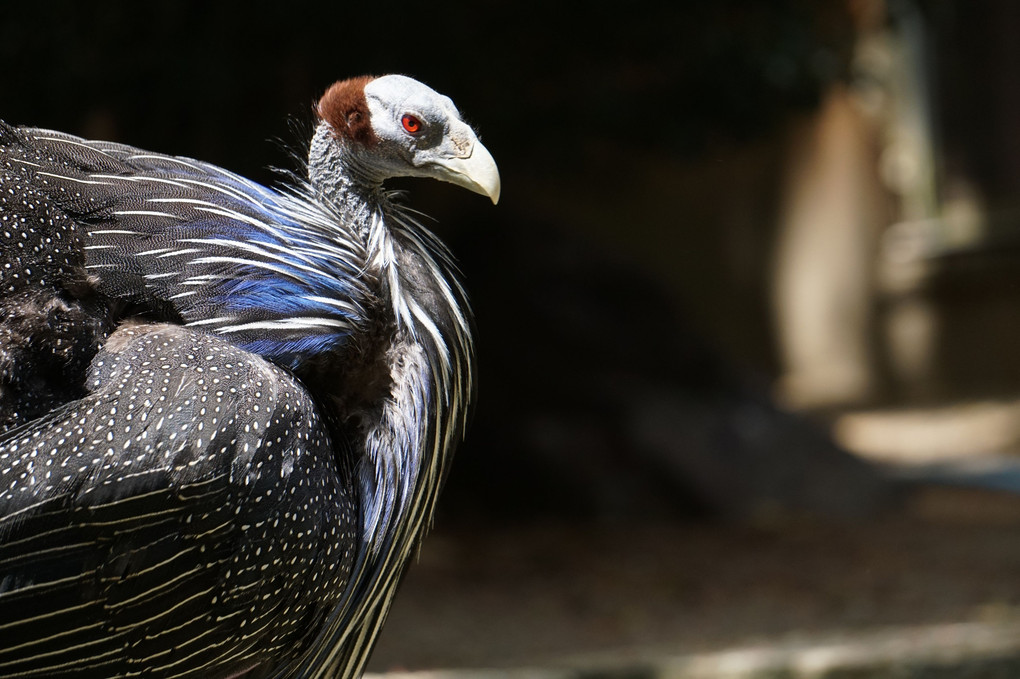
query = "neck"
x=409 y=436
x=343 y=179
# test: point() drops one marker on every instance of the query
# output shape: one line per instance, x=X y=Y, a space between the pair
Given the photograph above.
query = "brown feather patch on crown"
x=343 y=106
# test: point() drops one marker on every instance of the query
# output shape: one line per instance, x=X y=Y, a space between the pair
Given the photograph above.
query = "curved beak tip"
x=493 y=191
x=480 y=169
x=476 y=172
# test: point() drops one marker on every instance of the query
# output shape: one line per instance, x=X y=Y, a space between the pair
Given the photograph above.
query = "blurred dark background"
x=755 y=262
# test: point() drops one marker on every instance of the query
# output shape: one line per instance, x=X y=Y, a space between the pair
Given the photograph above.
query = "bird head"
x=394 y=126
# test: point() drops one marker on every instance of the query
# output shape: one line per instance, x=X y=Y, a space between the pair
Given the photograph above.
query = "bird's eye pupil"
x=411 y=123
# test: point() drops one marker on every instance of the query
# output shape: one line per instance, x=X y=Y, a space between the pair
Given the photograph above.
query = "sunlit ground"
x=935 y=578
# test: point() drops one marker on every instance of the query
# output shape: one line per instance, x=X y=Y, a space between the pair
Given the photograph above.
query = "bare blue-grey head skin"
x=444 y=147
x=225 y=410
x=362 y=130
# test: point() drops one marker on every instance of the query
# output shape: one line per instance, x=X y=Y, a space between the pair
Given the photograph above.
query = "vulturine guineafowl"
x=225 y=410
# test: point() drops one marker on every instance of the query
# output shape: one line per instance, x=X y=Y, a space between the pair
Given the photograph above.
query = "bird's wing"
x=275 y=271
x=171 y=519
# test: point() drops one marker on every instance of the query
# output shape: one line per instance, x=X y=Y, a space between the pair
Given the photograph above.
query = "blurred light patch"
x=932 y=435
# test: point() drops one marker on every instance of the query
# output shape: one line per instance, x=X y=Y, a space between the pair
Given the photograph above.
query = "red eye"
x=411 y=123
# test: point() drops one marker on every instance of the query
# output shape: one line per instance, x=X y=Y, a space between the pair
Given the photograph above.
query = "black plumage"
x=225 y=410
x=126 y=543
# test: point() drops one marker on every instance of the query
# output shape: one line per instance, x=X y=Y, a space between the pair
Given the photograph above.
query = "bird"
x=226 y=409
